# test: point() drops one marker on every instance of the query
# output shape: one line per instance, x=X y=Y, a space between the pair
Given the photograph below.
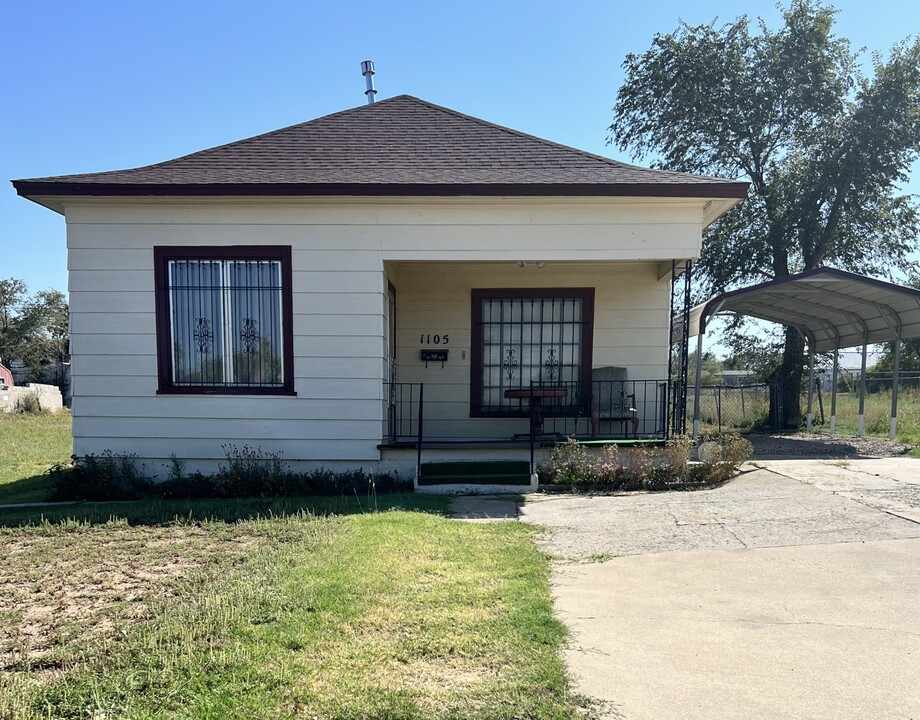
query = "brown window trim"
x=161 y=257
x=586 y=294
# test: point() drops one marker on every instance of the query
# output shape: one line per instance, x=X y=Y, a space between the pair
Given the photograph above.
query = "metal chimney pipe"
x=367 y=70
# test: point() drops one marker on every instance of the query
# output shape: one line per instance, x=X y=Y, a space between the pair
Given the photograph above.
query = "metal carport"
x=834 y=310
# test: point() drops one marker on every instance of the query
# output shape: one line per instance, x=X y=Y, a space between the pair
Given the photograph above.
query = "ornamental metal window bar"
x=529 y=342
x=225 y=323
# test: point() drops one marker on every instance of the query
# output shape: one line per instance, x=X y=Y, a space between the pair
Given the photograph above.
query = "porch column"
x=697 y=383
x=862 y=393
x=834 y=390
x=896 y=371
x=811 y=384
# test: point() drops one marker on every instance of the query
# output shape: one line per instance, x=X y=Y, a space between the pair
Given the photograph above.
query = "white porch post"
x=698 y=381
x=862 y=393
x=896 y=371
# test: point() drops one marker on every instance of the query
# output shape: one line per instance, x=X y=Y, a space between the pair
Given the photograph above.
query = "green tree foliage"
x=909 y=360
x=823 y=145
x=34 y=329
x=711 y=371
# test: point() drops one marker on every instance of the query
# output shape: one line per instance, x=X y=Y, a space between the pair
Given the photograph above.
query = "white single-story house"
x=314 y=290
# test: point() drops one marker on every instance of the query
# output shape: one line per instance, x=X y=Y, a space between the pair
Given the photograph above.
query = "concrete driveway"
x=791 y=592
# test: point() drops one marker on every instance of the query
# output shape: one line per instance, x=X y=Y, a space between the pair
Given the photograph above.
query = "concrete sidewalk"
x=888 y=484
x=819 y=631
x=791 y=592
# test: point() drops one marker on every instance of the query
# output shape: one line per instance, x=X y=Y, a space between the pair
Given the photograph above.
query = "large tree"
x=34 y=329
x=909 y=354
x=823 y=145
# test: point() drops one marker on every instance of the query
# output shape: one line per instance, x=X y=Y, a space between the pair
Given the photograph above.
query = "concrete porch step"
x=499 y=472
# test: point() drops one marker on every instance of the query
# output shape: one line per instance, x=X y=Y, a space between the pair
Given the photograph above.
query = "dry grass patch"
x=373 y=615
x=65 y=590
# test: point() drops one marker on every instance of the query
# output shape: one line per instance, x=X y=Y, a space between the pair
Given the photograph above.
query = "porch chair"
x=610 y=400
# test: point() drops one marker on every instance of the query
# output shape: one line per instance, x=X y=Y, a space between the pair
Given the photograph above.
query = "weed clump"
x=638 y=468
x=28 y=405
x=100 y=477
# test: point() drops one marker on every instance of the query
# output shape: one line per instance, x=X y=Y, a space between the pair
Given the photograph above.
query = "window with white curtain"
x=223 y=319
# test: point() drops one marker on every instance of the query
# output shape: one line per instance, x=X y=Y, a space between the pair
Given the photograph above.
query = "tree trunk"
x=789 y=377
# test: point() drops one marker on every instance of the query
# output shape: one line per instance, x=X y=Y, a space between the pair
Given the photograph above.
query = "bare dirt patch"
x=63 y=590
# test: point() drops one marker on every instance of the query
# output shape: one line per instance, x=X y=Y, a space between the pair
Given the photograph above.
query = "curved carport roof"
x=833 y=309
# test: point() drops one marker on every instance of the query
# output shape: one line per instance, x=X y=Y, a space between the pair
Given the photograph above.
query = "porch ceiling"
x=833 y=308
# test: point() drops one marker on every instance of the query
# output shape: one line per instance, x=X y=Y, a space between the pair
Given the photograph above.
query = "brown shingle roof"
x=400 y=146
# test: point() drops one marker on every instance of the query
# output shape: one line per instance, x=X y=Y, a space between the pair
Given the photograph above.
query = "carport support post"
x=862 y=393
x=895 y=372
x=811 y=385
x=698 y=381
x=834 y=391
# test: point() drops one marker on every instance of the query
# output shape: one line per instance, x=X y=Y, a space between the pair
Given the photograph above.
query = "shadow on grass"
x=34 y=488
x=163 y=512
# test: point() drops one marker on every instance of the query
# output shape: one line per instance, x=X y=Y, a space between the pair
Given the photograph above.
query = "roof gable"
x=398 y=146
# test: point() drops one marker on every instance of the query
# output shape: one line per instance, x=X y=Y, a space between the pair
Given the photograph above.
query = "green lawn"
x=345 y=607
x=391 y=614
x=30 y=445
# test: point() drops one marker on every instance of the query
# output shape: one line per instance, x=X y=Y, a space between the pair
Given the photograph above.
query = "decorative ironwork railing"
x=404 y=412
x=612 y=409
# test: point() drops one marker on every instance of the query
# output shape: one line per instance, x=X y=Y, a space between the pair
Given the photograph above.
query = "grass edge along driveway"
x=398 y=614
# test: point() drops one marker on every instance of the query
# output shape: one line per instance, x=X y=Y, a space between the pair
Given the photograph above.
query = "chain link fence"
x=746 y=408
x=725 y=408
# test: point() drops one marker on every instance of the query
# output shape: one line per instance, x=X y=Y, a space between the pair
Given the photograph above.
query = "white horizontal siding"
x=114 y=302
x=187 y=407
x=99 y=343
x=224 y=217
x=343 y=303
x=232 y=429
x=101 y=280
x=91 y=364
x=653 y=228
x=115 y=323
x=339 y=248
x=206 y=449
x=323 y=346
x=338 y=282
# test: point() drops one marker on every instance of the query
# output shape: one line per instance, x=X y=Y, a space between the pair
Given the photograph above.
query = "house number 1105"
x=433 y=339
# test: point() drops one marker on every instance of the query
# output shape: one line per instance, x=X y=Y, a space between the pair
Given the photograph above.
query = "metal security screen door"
x=526 y=338
x=225 y=323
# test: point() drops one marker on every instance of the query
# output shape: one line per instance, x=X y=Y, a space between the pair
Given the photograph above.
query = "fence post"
x=421 y=431
x=718 y=394
x=820 y=401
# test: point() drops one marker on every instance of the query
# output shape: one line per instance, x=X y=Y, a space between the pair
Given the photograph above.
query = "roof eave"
x=32 y=189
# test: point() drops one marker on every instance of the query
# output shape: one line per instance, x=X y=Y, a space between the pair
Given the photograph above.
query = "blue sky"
x=101 y=85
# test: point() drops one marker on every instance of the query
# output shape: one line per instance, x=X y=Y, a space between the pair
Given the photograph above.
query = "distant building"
x=735 y=378
x=6 y=377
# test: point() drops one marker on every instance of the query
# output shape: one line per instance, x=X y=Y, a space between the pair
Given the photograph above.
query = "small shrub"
x=196 y=485
x=635 y=468
x=101 y=477
x=28 y=405
x=729 y=453
x=247 y=472
x=569 y=464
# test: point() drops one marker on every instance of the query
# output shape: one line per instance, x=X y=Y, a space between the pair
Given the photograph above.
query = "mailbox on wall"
x=434 y=356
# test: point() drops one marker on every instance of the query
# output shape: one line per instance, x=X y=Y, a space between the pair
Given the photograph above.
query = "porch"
x=625 y=413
